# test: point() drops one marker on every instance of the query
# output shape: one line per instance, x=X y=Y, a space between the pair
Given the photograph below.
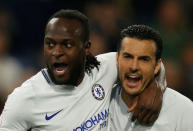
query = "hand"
x=147 y=106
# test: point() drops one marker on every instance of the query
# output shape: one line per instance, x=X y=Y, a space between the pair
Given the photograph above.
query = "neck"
x=128 y=99
x=80 y=79
x=80 y=72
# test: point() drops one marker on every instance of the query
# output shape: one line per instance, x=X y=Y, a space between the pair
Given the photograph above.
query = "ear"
x=158 y=66
x=87 y=47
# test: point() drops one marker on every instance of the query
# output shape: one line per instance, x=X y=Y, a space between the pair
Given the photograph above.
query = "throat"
x=128 y=99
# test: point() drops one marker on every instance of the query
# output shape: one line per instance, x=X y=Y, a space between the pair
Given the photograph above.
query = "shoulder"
x=107 y=61
x=23 y=96
x=107 y=57
x=177 y=102
x=176 y=97
x=19 y=108
x=27 y=88
x=107 y=67
x=179 y=109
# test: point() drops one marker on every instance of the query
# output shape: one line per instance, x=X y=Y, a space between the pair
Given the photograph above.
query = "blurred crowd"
x=22 y=29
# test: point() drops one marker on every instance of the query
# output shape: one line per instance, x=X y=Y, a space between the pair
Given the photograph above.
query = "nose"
x=58 y=51
x=134 y=65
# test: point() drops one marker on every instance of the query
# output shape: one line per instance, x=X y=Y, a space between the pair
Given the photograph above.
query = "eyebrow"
x=50 y=38
x=128 y=54
x=145 y=56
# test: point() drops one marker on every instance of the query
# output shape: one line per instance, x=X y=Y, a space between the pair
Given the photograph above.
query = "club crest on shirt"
x=98 y=92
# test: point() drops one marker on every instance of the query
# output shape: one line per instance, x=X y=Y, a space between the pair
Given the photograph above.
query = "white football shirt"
x=40 y=105
x=176 y=114
x=43 y=106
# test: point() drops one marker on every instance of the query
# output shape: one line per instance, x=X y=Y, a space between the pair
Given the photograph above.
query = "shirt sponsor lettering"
x=93 y=121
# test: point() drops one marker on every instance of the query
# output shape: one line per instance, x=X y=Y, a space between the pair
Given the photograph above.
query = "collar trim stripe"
x=45 y=76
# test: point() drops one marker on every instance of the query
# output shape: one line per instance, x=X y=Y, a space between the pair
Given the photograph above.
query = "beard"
x=51 y=74
x=75 y=75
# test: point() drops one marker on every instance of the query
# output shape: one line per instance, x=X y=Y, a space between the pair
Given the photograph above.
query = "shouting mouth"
x=59 y=68
x=133 y=80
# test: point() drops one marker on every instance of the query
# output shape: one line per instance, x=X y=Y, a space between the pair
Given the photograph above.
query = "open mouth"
x=133 y=80
x=59 y=68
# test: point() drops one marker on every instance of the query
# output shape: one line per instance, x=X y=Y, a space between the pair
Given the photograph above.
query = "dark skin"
x=146 y=109
x=65 y=51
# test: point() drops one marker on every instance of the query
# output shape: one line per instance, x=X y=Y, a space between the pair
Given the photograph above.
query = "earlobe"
x=158 y=66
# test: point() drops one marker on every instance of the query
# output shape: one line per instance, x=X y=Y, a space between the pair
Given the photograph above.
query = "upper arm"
x=15 y=114
x=108 y=62
x=108 y=69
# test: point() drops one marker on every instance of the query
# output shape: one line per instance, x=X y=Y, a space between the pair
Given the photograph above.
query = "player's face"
x=136 y=63
x=64 y=50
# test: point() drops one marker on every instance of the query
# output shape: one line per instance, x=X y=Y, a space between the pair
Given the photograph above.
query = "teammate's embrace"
x=73 y=92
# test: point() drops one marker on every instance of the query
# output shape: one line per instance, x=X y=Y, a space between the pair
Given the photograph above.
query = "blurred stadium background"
x=22 y=26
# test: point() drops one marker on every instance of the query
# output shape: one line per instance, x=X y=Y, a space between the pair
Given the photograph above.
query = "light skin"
x=65 y=51
x=137 y=66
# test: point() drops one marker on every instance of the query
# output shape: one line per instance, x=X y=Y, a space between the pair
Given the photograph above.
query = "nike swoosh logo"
x=50 y=117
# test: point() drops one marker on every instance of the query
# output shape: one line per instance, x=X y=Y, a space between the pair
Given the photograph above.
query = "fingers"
x=147 y=117
x=143 y=116
x=152 y=114
x=152 y=118
x=149 y=105
x=134 y=116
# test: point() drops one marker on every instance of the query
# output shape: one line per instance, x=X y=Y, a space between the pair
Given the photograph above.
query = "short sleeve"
x=16 y=113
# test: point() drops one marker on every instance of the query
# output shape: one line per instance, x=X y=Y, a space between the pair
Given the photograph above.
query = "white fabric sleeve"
x=162 y=78
x=108 y=62
x=15 y=115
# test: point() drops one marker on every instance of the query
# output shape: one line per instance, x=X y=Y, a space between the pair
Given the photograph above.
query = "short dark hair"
x=91 y=60
x=143 y=32
x=74 y=14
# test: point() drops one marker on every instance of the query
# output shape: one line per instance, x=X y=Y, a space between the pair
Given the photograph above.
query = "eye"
x=68 y=44
x=50 y=44
x=145 y=59
x=127 y=55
